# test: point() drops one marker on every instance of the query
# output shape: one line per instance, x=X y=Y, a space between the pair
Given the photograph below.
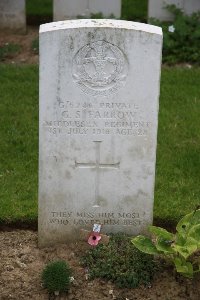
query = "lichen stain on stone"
x=128 y=174
x=137 y=152
x=133 y=198
x=71 y=44
x=128 y=199
x=141 y=193
x=90 y=35
x=102 y=201
x=147 y=171
x=68 y=175
x=145 y=37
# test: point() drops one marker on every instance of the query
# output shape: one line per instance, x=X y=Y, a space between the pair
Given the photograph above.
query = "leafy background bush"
x=120 y=262
x=35 y=45
x=182 y=45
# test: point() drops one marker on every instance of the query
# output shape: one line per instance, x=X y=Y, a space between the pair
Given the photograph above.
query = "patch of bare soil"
x=26 y=54
x=22 y=262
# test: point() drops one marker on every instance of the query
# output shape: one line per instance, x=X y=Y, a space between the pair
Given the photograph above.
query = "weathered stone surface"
x=106 y=7
x=67 y=9
x=157 y=8
x=13 y=15
x=99 y=90
x=191 y=6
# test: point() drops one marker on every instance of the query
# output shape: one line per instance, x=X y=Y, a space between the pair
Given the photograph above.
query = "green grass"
x=19 y=142
x=178 y=157
x=134 y=10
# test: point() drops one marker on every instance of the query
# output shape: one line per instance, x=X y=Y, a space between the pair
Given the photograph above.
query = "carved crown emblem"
x=99 y=68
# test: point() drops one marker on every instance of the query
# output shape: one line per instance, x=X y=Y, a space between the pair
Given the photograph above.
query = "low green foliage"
x=178 y=248
x=120 y=262
x=181 y=41
x=134 y=10
x=9 y=50
x=56 y=276
x=39 y=7
x=35 y=45
x=100 y=16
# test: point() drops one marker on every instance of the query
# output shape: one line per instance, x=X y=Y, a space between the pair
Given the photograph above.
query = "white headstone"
x=99 y=90
x=13 y=15
x=157 y=8
x=67 y=9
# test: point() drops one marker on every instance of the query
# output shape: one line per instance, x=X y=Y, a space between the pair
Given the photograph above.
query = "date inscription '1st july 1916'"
x=98 y=119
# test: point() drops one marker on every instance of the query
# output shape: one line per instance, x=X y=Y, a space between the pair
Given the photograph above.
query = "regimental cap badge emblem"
x=100 y=68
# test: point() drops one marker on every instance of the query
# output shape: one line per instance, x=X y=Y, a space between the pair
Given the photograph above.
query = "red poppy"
x=94 y=238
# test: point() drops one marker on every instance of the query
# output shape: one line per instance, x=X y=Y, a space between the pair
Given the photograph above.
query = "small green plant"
x=98 y=15
x=179 y=248
x=120 y=262
x=9 y=50
x=101 y=16
x=56 y=277
x=181 y=42
x=35 y=45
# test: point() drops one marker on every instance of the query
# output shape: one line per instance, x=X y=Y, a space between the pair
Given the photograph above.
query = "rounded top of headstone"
x=100 y=23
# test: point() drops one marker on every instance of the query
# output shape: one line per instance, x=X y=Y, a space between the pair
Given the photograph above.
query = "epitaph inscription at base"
x=99 y=89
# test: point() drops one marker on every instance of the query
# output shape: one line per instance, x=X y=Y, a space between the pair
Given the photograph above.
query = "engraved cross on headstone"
x=97 y=166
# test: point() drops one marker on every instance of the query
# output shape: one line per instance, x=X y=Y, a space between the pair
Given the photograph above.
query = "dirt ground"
x=27 y=54
x=22 y=262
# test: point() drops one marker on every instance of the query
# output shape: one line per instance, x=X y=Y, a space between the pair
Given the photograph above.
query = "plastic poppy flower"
x=94 y=238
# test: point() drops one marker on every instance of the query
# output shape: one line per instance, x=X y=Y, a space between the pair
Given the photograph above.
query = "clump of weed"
x=9 y=50
x=101 y=16
x=120 y=262
x=98 y=15
x=56 y=277
x=35 y=45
